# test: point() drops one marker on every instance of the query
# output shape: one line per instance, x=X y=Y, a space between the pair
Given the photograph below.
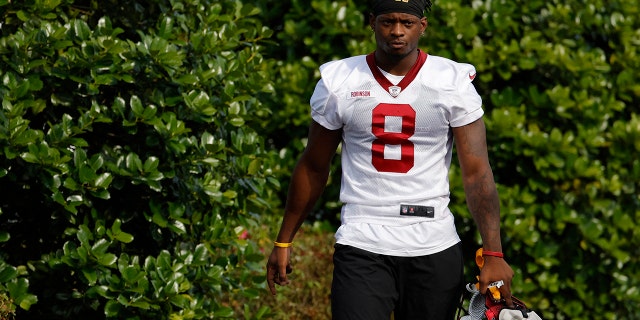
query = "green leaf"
x=164 y=260
x=83 y=255
x=118 y=105
x=22 y=16
x=123 y=237
x=84 y=235
x=262 y=312
x=249 y=10
x=200 y=255
x=100 y=247
x=133 y=163
x=136 y=106
x=102 y=291
x=7 y=273
x=141 y=304
x=231 y=194
x=254 y=167
x=166 y=26
x=112 y=309
x=132 y=274
x=91 y=275
x=159 y=219
x=236 y=121
x=182 y=301
x=118 y=234
x=81 y=29
x=51 y=4
x=103 y=180
x=101 y=194
x=18 y=290
x=223 y=312
x=115 y=227
x=188 y=79
x=27 y=301
x=251 y=293
x=86 y=174
x=199 y=99
x=178 y=227
x=107 y=259
x=151 y=164
x=149 y=112
x=29 y=157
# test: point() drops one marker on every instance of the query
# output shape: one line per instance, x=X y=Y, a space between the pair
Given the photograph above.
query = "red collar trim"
x=408 y=78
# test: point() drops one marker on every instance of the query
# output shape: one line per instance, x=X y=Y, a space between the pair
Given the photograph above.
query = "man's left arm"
x=483 y=202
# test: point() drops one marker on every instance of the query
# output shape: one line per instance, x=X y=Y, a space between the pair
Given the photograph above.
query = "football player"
x=397 y=112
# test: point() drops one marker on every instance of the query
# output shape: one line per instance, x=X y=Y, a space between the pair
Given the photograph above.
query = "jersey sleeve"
x=466 y=106
x=324 y=106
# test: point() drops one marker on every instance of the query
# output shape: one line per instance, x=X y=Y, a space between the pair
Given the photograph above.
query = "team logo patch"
x=394 y=91
x=359 y=94
x=472 y=76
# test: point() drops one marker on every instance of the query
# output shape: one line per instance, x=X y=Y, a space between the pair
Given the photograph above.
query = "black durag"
x=414 y=7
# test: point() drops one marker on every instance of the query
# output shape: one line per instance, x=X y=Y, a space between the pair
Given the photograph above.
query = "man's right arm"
x=308 y=180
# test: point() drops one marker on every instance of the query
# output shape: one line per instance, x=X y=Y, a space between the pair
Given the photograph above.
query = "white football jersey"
x=396 y=149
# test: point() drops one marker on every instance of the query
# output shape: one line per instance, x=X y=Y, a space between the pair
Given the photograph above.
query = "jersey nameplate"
x=417 y=211
x=360 y=94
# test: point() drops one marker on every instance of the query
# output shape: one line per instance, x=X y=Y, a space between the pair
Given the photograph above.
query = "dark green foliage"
x=562 y=100
x=129 y=166
x=307 y=34
x=560 y=85
x=138 y=141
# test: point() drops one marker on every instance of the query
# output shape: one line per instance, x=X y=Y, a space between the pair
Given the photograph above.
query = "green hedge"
x=561 y=96
x=130 y=171
x=561 y=90
x=148 y=137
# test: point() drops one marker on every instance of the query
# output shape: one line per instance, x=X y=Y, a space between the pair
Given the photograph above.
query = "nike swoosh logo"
x=472 y=76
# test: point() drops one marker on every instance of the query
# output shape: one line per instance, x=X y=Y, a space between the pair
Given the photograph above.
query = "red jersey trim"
x=408 y=78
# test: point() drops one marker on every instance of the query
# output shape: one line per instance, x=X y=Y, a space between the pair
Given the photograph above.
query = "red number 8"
x=383 y=138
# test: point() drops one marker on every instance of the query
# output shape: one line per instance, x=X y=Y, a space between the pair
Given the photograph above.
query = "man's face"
x=397 y=34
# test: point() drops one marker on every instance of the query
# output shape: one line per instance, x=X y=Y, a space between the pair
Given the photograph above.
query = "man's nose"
x=397 y=29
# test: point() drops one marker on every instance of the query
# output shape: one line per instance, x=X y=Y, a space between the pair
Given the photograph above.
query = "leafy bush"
x=563 y=126
x=130 y=169
x=144 y=137
x=561 y=93
x=307 y=34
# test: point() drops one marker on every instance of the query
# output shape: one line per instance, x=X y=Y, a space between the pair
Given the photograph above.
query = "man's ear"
x=424 y=23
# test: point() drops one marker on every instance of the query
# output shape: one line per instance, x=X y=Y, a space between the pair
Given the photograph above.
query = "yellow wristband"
x=282 y=244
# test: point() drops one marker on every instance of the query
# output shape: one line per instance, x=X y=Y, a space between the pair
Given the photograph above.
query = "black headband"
x=414 y=7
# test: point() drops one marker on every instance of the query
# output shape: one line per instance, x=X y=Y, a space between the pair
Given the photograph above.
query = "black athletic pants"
x=369 y=286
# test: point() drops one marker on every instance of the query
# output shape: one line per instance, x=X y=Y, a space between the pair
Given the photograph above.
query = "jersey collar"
x=394 y=90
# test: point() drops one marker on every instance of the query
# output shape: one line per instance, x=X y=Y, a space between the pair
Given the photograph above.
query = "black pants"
x=369 y=286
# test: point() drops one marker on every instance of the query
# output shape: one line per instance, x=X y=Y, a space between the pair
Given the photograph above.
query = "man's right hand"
x=278 y=267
